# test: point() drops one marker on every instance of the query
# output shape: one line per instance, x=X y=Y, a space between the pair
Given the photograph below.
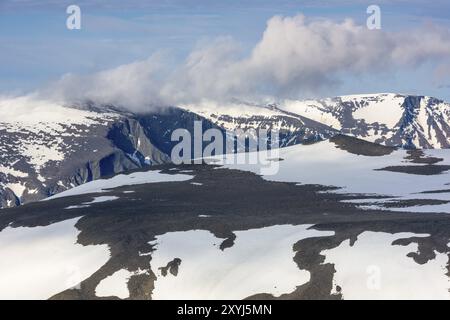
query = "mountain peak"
x=385 y=118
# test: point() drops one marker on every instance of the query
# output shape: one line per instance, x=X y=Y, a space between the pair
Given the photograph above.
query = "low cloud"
x=295 y=57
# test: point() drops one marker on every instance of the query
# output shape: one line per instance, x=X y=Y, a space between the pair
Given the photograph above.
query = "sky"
x=180 y=51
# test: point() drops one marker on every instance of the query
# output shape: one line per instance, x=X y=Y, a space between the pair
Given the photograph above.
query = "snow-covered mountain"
x=47 y=148
x=386 y=118
x=293 y=128
x=390 y=119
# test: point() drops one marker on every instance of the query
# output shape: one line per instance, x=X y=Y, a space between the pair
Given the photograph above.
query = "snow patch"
x=382 y=108
x=96 y=200
x=325 y=164
x=260 y=261
x=39 y=262
x=17 y=188
x=13 y=172
x=373 y=268
x=135 y=178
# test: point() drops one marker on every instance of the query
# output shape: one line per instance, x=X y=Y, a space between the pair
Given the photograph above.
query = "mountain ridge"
x=48 y=148
x=390 y=119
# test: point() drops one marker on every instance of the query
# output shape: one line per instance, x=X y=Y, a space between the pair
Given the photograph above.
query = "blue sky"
x=36 y=47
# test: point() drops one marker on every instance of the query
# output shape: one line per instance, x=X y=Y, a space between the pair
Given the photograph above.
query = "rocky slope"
x=47 y=148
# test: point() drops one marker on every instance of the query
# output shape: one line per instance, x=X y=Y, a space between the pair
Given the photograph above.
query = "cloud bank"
x=295 y=57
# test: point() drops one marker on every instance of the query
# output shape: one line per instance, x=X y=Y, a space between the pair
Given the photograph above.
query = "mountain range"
x=47 y=148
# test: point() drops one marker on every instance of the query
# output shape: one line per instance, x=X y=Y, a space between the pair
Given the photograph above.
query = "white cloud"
x=136 y=84
x=295 y=56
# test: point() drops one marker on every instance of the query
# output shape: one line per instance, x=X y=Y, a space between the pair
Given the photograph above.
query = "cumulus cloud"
x=131 y=85
x=295 y=57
